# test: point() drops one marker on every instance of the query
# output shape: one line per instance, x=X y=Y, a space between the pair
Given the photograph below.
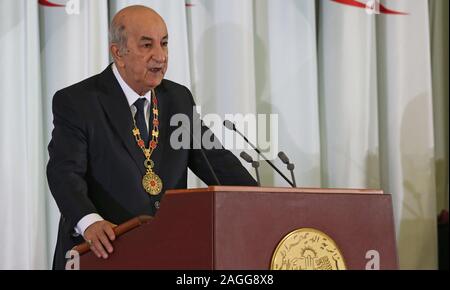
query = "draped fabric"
x=72 y=47
x=23 y=228
x=361 y=101
x=406 y=127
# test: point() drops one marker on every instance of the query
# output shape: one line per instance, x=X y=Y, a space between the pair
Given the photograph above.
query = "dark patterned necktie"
x=139 y=117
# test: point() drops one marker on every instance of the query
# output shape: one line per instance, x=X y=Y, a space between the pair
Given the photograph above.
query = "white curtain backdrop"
x=353 y=93
x=23 y=242
x=222 y=60
x=286 y=74
x=73 y=47
x=348 y=97
x=406 y=120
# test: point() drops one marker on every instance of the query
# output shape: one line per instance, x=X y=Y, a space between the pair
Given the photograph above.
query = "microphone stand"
x=204 y=156
x=290 y=166
x=255 y=164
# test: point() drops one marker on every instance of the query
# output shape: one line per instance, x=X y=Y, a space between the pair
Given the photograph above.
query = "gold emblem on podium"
x=307 y=249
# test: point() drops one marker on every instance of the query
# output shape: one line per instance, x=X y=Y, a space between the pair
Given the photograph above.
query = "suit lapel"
x=119 y=114
x=163 y=106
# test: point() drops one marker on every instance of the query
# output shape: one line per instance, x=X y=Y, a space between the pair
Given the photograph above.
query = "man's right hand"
x=99 y=236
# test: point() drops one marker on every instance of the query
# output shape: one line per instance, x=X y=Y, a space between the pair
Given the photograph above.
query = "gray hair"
x=118 y=36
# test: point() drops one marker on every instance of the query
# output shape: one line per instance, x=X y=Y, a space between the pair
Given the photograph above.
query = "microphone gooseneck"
x=231 y=126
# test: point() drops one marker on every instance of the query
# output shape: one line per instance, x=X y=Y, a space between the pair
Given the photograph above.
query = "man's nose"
x=159 y=55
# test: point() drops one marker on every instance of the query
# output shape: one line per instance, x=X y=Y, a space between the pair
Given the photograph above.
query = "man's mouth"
x=156 y=69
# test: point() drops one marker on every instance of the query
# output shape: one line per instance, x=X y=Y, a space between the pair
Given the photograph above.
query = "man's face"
x=145 y=62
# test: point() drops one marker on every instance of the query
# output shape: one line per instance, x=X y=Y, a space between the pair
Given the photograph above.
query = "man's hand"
x=99 y=235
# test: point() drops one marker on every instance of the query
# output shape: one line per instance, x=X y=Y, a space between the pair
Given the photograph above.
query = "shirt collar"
x=131 y=95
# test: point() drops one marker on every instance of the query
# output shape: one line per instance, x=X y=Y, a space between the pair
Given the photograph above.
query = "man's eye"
x=165 y=44
x=148 y=45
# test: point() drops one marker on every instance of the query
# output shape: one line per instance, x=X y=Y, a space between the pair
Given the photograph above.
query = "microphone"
x=203 y=154
x=231 y=126
x=290 y=166
x=255 y=165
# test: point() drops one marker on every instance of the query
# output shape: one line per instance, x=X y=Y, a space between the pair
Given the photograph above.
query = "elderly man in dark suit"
x=110 y=155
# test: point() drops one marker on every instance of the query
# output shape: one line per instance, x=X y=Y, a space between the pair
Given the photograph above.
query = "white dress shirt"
x=132 y=97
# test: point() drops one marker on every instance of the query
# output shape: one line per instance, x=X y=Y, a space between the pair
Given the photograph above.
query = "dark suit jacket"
x=96 y=167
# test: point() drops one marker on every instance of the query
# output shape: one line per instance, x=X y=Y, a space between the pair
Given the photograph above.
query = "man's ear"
x=117 y=55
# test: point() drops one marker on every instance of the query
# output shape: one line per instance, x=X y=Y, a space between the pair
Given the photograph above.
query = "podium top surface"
x=276 y=190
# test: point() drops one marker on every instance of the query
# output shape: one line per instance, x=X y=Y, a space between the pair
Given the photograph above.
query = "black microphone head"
x=283 y=157
x=246 y=157
x=229 y=125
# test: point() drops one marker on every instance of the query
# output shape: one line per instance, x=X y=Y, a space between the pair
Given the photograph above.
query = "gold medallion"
x=307 y=249
x=152 y=183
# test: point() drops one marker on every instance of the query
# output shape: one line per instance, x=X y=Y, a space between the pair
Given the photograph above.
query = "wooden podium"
x=238 y=228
